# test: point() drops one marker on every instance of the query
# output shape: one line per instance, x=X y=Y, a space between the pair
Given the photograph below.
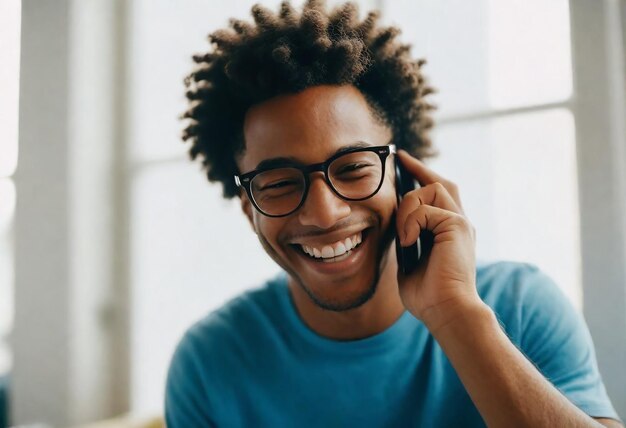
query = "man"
x=299 y=115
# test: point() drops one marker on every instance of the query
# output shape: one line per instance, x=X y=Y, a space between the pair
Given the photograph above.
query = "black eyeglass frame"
x=245 y=180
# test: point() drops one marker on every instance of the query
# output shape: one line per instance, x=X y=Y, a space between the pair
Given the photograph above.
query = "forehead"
x=309 y=126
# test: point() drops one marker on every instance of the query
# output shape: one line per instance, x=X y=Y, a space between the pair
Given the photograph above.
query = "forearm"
x=506 y=388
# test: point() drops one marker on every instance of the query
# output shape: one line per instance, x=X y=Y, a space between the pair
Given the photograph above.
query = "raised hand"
x=444 y=283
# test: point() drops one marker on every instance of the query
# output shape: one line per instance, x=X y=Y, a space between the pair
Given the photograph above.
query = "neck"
x=376 y=315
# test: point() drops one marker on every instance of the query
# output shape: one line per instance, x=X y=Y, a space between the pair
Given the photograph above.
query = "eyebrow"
x=291 y=161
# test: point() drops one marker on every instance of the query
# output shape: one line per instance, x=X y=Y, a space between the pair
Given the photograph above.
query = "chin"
x=342 y=298
x=343 y=291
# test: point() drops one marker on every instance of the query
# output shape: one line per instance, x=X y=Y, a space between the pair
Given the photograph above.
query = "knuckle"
x=439 y=186
x=415 y=197
x=414 y=214
x=421 y=209
x=465 y=223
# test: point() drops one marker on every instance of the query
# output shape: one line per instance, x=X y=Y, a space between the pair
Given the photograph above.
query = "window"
x=505 y=127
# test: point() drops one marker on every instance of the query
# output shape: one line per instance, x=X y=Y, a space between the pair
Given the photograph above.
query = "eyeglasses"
x=353 y=175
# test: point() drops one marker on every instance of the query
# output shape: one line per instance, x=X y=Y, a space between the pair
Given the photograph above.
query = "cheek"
x=268 y=228
x=387 y=192
x=389 y=184
x=267 y=233
x=384 y=202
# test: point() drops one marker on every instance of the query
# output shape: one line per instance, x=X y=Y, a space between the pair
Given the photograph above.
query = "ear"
x=246 y=207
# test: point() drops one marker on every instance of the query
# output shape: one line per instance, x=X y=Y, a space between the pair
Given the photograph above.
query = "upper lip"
x=328 y=239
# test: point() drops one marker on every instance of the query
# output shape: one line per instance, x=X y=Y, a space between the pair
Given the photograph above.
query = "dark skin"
x=370 y=296
x=312 y=135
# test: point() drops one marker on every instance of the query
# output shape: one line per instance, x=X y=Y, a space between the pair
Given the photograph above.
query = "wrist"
x=457 y=314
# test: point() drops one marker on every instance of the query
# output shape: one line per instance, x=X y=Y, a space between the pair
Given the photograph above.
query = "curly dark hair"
x=288 y=52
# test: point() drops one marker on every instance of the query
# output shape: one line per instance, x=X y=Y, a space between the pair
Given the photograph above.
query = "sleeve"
x=186 y=401
x=555 y=337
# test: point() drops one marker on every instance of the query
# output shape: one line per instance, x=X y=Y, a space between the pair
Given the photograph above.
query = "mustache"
x=313 y=232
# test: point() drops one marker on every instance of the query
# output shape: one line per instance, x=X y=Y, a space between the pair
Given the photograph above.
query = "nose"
x=322 y=207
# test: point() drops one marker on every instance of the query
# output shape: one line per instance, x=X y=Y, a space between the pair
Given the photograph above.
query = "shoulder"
x=523 y=297
x=495 y=279
x=239 y=319
x=215 y=350
x=499 y=282
x=542 y=322
x=224 y=335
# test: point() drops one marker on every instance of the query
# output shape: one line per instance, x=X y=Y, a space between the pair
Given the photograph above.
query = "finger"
x=425 y=175
x=437 y=220
x=418 y=169
x=433 y=194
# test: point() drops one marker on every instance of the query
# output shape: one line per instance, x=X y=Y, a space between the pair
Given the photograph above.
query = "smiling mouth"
x=335 y=253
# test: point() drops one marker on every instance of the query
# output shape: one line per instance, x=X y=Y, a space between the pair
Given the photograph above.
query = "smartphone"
x=409 y=257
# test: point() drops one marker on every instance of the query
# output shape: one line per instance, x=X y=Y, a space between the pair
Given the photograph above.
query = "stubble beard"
x=382 y=253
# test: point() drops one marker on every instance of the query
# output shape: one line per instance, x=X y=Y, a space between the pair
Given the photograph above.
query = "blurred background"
x=112 y=242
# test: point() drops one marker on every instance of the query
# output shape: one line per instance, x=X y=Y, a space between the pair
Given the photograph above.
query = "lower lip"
x=345 y=266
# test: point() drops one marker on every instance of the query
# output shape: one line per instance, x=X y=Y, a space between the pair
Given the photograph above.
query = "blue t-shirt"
x=254 y=363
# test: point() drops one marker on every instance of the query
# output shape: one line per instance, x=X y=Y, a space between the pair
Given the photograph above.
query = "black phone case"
x=409 y=257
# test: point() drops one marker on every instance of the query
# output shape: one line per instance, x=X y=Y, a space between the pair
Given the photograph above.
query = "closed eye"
x=353 y=167
x=278 y=185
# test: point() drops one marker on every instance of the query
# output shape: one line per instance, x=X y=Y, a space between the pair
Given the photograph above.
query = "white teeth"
x=340 y=249
x=328 y=252
x=335 y=250
x=348 y=243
